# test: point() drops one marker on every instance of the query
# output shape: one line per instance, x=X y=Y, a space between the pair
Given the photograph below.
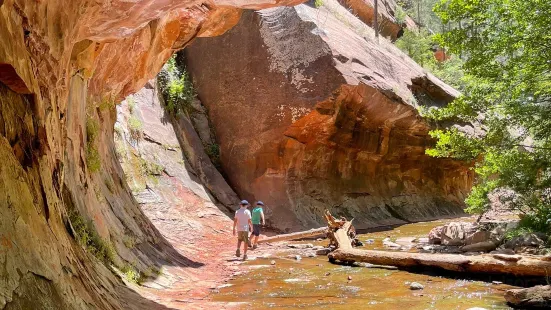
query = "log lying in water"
x=526 y=266
x=297 y=235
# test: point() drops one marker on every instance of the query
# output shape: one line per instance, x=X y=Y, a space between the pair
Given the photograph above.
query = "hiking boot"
x=245 y=257
x=237 y=253
x=254 y=247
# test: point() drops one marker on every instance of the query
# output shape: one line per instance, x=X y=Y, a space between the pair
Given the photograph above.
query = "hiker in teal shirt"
x=258 y=214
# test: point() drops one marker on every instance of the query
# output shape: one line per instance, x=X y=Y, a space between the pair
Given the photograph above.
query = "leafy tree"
x=418 y=46
x=421 y=11
x=507 y=50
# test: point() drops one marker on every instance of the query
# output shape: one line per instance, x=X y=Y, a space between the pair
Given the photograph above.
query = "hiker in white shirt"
x=243 y=223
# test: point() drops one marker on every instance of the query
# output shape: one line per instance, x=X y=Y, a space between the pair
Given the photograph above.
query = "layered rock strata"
x=312 y=113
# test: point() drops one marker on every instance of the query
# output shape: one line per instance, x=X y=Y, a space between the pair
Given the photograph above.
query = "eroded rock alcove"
x=63 y=66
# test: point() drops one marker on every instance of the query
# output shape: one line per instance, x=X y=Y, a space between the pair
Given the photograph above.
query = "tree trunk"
x=525 y=266
x=375 y=21
x=298 y=235
x=419 y=12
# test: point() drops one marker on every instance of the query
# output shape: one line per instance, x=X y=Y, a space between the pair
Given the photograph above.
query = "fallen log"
x=341 y=236
x=341 y=233
x=526 y=266
x=297 y=235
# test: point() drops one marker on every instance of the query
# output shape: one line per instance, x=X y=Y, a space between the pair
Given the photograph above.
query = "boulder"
x=487 y=235
x=423 y=240
x=435 y=235
x=324 y=251
x=455 y=233
x=416 y=286
x=537 y=297
x=484 y=246
x=477 y=236
x=533 y=240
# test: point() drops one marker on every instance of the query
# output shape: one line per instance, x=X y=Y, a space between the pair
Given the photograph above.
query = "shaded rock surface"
x=538 y=297
x=310 y=113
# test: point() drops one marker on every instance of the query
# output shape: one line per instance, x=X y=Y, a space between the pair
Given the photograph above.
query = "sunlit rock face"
x=63 y=66
x=312 y=115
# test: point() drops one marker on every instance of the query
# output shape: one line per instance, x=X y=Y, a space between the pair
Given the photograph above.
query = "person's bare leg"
x=245 y=247
x=238 y=246
x=255 y=240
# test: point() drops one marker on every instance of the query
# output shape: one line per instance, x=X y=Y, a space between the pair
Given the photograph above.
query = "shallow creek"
x=314 y=283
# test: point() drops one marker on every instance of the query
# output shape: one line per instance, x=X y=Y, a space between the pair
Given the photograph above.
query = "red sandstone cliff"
x=311 y=113
x=63 y=65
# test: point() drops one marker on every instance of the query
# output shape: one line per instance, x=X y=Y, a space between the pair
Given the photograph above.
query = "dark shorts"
x=256 y=229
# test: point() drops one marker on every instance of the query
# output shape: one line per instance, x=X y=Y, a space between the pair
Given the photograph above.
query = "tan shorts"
x=243 y=236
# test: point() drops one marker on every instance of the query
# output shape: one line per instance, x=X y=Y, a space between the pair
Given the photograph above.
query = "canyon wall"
x=311 y=112
x=66 y=211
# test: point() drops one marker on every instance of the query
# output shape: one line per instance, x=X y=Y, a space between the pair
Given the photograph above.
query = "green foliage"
x=131 y=274
x=88 y=238
x=418 y=46
x=152 y=272
x=177 y=88
x=131 y=104
x=517 y=232
x=213 y=152
x=119 y=130
x=506 y=93
x=107 y=104
x=400 y=15
x=93 y=160
x=92 y=129
x=110 y=185
x=129 y=241
x=120 y=149
x=450 y=71
x=422 y=12
x=135 y=127
x=453 y=143
x=149 y=168
x=318 y=3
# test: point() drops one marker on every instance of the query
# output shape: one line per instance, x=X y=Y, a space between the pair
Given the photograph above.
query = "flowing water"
x=314 y=283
